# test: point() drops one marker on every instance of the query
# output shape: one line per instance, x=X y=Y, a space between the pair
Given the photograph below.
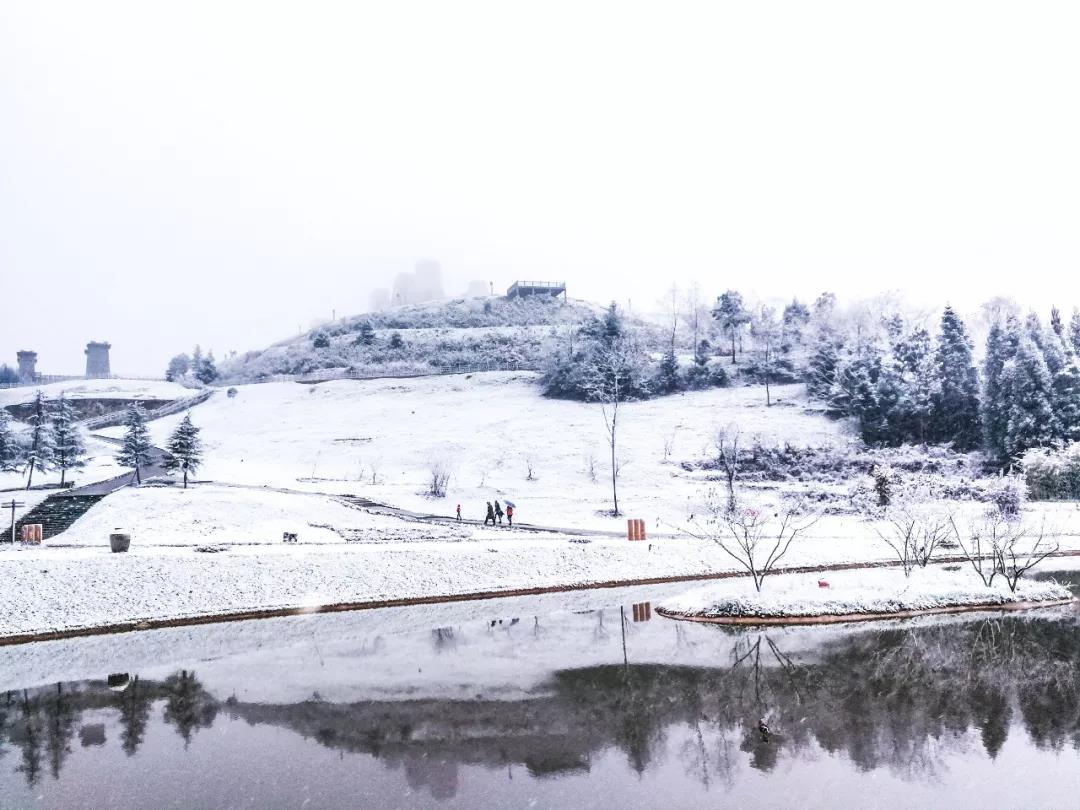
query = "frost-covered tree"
x=1074 y=331
x=1066 y=402
x=366 y=335
x=10 y=451
x=136 y=447
x=179 y=366
x=39 y=455
x=957 y=402
x=731 y=316
x=795 y=319
x=1001 y=344
x=320 y=340
x=206 y=369
x=69 y=450
x=185 y=449
x=1028 y=396
x=821 y=368
x=766 y=330
x=1056 y=323
x=8 y=374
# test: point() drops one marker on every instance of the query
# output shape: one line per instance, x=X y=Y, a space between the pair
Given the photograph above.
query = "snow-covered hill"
x=489 y=332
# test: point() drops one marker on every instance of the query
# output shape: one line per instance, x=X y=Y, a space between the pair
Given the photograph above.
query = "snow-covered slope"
x=490 y=430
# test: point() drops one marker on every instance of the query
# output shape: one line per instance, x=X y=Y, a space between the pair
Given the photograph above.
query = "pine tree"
x=1055 y=322
x=1067 y=403
x=69 y=450
x=1001 y=343
x=367 y=334
x=205 y=369
x=1028 y=392
x=185 y=449
x=730 y=313
x=821 y=369
x=135 y=450
x=40 y=454
x=9 y=447
x=957 y=406
x=667 y=377
x=1074 y=331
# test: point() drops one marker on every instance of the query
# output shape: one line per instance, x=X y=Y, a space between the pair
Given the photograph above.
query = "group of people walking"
x=495 y=514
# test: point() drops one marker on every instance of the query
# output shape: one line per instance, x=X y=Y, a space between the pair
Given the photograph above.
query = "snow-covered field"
x=279 y=458
x=96 y=389
x=853 y=592
x=489 y=429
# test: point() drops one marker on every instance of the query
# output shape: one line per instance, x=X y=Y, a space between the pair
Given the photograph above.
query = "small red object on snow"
x=822 y=583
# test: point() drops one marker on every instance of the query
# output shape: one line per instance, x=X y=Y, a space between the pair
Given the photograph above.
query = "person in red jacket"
x=510 y=516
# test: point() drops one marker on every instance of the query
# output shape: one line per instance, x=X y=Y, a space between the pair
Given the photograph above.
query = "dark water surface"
x=555 y=702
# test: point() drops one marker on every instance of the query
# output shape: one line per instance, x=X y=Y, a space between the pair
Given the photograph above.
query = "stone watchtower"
x=97 y=359
x=27 y=365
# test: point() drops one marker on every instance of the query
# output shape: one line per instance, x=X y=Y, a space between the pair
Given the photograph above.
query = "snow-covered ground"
x=96 y=389
x=854 y=592
x=488 y=428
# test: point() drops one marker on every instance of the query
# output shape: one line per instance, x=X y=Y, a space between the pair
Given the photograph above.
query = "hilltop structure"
x=521 y=289
x=27 y=366
x=97 y=360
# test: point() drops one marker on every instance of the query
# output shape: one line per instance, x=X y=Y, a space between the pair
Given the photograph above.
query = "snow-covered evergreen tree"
x=10 y=451
x=1027 y=389
x=731 y=315
x=206 y=369
x=69 y=450
x=1067 y=402
x=1074 y=331
x=39 y=455
x=956 y=416
x=1055 y=322
x=1001 y=343
x=135 y=450
x=185 y=449
x=821 y=368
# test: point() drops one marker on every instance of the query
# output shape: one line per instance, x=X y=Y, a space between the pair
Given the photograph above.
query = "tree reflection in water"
x=901 y=697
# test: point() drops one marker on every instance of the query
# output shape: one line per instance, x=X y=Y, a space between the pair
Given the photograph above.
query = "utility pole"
x=12 y=504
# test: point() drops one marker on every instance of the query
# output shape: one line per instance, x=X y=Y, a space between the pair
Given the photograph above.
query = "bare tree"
x=765 y=330
x=615 y=365
x=669 y=445
x=1021 y=552
x=997 y=545
x=757 y=539
x=438 y=478
x=695 y=314
x=726 y=444
x=530 y=467
x=671 y=311
x=589 y=460
x=914 y=532
x=376 y=465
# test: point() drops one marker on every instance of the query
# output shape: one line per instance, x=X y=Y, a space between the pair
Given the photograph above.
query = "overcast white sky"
x=224 y=172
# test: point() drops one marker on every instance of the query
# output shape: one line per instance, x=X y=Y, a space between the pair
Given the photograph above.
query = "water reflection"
x=902 y=697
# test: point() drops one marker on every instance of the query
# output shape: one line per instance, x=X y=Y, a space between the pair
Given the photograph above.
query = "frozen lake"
x=576 y=700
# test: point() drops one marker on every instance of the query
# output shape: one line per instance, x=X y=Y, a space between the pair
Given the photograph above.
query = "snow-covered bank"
x=856 y=593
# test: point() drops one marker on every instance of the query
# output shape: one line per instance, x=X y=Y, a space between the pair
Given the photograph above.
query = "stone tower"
x=97 y=359
x=27 y=365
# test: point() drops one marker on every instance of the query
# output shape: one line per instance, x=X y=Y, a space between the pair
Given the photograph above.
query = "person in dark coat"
x=490 y=515
x=498 y=512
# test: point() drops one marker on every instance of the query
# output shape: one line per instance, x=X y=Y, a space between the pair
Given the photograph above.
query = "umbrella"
x=510 y=504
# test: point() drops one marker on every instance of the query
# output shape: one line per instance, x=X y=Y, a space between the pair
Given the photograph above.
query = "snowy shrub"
x=438 y=479
x=1008 y=494
x=1052 y=475
x=320 y=340
x=882 y=476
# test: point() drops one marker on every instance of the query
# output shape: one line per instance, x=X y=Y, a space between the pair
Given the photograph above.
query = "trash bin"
x=120 y=541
